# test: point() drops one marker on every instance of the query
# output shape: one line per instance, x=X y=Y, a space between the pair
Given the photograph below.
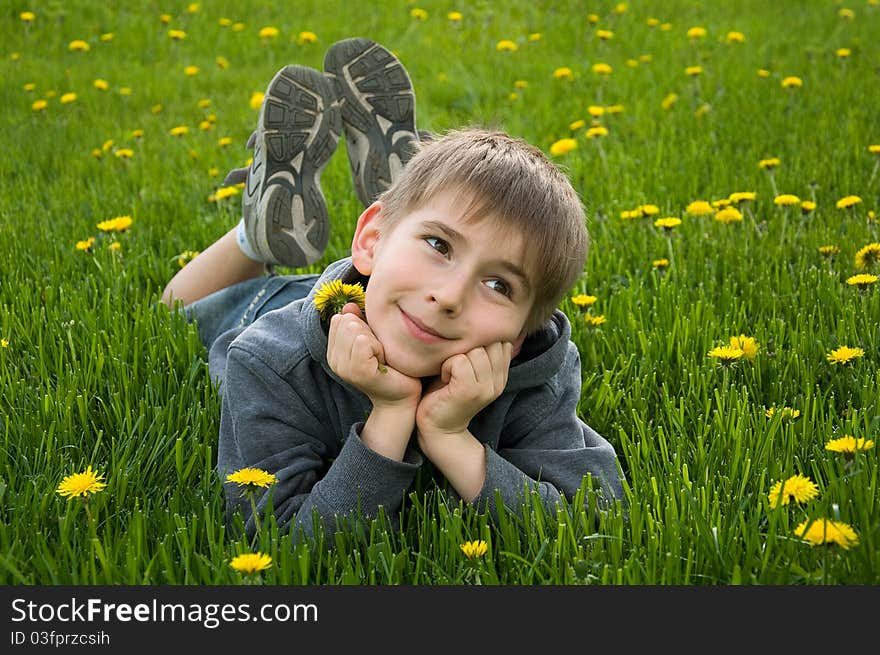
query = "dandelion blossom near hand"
x=336 y=294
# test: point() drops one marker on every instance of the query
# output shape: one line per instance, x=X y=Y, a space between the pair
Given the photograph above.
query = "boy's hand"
x=356 y=355
x=467 y=383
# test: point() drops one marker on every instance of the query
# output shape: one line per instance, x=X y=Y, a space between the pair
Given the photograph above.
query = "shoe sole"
x=378 y=112
x=299 y=125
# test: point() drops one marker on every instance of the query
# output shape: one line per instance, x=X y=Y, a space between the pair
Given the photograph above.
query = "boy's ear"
x=366 y=236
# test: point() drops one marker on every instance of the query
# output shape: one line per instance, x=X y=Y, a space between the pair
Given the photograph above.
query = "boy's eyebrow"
x=454 y=235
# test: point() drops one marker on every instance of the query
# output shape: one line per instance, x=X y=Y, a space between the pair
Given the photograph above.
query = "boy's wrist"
x=388 y=429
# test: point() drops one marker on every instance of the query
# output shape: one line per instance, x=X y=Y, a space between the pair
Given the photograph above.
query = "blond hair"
x=513 y=182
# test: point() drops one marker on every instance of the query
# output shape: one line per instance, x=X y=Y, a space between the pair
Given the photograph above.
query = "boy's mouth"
x=419 y=330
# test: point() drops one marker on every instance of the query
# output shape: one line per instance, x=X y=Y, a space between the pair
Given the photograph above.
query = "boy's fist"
x=356 y=355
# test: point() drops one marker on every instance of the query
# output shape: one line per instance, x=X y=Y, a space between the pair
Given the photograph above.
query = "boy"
x=459 y=356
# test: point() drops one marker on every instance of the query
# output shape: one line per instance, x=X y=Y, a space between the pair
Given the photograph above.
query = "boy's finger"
x=352 y=308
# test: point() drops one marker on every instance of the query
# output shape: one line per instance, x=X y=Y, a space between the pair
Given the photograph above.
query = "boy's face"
x=440 y=286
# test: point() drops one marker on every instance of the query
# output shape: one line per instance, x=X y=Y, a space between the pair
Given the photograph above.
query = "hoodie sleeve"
x=546 y=447
x=265 y=423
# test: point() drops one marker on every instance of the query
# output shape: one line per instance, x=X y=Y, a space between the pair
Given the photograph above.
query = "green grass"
x=93 y=374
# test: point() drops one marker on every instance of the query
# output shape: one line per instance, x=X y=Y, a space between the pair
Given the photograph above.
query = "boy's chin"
x=413 y=368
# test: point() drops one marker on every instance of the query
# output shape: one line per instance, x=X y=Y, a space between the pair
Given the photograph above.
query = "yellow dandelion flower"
x=848 y=14
x=808 y=207
x=124 y=153
x=721 y=203
x=592 y=19
x=165 y=19
x=735 y=37
x=648 y=210
x=186 y=256
x=669 y=100
x=829 y=250
x=652 y=22
x=177 y=35
x=646 y=59
x=30 y=86
x=847 y=202
x=535 y=36
x=108 y=36
x=595 y=321
x=118 y=224
x=124 y=91
x=798 y=488
x=238 y=27
x=224 y=141
x=506 y=45
x=596 y=130
x=256 y=100
x=4 y=343
x=562 y=147
x=843 y=53
x=868 y=255
x=474 y=549
x=660 y=263
x=418 y=14
x=844 y=355
x=763 y=72
x=583 y=300
x=78 y=45
x=792 y=82
x=826 y=531
x=604 y=35
x=81 y=484
x=191 y=70
x=563 y=73
x=786 y=200
x=784 y=413
x=693 y=71
x=334 y=295
x=156 y=109
x=576 y=125
x=85 y=244
x=595 y=110
x=115 y=246
x=226 y=192
x=726 y=354
x=39 y=105
x=601 y=68
x=268 y=32
x=250 y=563
x=696 y=32
x=748 y=345
x=137 y=133
x=614 y=109
x=862 y=280
x=770 y=163
x=180 y=130
x=741 y=196
x=27 y=16
x=849 y=445
x=700 y=208
x=193 y=8
x=305 y=37
x=874 y=148
x=454 y=16
x=667 y=223
x=222 y=62
x=252 y=477
x=521 y=84
x=728 y=215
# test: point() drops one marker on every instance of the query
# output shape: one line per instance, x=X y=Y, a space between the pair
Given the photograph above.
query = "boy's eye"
x=438 y=244
x=500 y=286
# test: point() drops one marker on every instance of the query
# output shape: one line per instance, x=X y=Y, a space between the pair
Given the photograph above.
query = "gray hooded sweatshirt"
x=285 y=411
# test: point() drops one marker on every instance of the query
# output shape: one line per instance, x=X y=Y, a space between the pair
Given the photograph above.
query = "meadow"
x=728 y=317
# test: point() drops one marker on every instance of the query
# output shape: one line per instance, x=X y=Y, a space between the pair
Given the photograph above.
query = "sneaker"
x=378 y=112
x=285 y=213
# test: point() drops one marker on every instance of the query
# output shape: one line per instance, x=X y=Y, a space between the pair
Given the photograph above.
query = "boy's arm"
x=266 y=423
x=545 y=447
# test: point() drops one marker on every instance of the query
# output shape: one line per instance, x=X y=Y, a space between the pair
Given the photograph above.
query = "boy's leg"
x=378 y=112
x=285 y=218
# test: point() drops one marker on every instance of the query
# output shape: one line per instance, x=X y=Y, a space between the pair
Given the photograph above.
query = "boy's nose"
x=449 y=294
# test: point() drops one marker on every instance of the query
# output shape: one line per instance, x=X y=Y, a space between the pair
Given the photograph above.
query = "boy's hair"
x=513 y=181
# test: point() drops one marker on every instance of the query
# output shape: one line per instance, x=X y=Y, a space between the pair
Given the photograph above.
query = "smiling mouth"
x=419 y=330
